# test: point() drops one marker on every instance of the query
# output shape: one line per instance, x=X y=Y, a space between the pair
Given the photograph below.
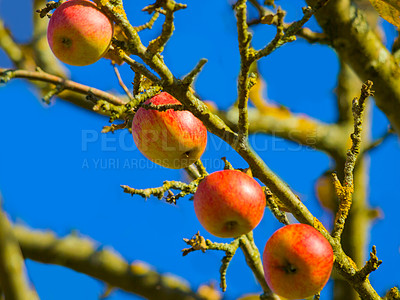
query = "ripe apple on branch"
x=79 y=33
x=170 y=129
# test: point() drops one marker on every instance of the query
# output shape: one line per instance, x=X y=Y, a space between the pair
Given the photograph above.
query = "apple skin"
x=172 y=139
x=79 y=33
x=229 y=203
x=297 y=261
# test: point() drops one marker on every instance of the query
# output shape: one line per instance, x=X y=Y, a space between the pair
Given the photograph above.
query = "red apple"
x=172 y=139
x=79 y=33
x=297 y=261
x=229 y=203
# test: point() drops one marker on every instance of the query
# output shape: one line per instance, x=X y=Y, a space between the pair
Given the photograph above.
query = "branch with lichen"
x=134 y=44
x=200 y=167
x=250 y=250
x=299 y=128
x=87 y=257
x=246 y=58
x=8 y=74
x=277 y=208
x=13 y=280
x=121 y=111
x=43 y=12
x=163 y=107
x=345 y=191
x=354 y=239
x=288 y=34
x=280 y=121
x=358 y=112
x=149 y=24
x=159 y=192
x=266 y=16
x=392 y=294
x=197 y=242
x=157 y=45
x=253 y=260
x=371 y=265
x=189 y=78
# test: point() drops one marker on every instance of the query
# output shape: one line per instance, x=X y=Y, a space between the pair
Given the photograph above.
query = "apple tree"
x=182 y=120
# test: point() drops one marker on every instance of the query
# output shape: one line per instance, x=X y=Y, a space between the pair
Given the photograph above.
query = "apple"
x=79 y=33
x=172 y=139
x=229 y=203
x=297 y=261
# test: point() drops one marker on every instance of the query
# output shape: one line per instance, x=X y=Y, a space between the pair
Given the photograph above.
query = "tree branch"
x=185 y=189
x=10 y=47
x=360 y=48
x=246 y=58
x=253 y=260
x=84 y=256
x=298 y=128
x=13 y=281
x=345 y=191
x=8 y=74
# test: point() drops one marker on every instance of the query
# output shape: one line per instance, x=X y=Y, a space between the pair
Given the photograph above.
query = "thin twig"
x=121 y=82
x=345 y=190
x=185 y=189
x=197 y=242
x=371 y=265
x=149 y=24
x=157 y=45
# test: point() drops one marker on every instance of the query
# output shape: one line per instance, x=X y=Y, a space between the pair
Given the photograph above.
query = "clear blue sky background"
x=59 y=172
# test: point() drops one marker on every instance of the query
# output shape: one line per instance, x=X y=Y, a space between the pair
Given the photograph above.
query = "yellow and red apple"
x=172 y=139
x=79 y=33
x=229 y=203
x=297 y=261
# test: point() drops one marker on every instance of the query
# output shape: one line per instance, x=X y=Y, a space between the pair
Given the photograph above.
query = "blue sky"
x=59 y=172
